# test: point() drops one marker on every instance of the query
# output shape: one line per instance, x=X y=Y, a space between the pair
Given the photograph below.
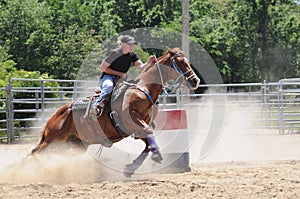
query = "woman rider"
x=115 y=66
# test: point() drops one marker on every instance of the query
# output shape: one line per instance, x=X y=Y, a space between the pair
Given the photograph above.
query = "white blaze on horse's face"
x=186 y=60
x=190 y=77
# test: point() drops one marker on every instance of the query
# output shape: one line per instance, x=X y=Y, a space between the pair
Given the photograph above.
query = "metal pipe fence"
x=25 y=109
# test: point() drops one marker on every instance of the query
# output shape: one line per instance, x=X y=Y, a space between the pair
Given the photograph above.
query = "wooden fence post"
x=280 y=107
x=9 y=113
x=42 y=95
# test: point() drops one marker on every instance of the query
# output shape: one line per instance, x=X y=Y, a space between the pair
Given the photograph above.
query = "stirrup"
x=100 y=108
x=96 y=112
x=100 y=111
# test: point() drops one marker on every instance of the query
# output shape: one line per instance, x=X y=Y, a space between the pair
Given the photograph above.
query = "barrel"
x=171 y=133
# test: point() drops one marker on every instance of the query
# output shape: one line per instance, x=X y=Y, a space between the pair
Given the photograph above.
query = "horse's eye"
x=180 y=59
x=179 y=55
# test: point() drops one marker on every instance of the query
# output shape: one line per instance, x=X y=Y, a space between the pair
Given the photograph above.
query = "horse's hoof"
x=156 y=156
x=128 y=172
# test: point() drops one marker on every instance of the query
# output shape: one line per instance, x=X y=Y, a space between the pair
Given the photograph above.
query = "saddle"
x=84 y=105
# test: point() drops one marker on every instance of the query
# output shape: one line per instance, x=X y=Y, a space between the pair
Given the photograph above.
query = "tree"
x=19 y=20
x=284 y=40
x=141 y=13
x=259 y=24
x=208 y=27
x=73 y=48
x=249 y=40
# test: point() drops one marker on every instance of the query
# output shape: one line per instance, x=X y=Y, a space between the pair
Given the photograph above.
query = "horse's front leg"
x=148 y=137
x=153 y=147
x=136 y=163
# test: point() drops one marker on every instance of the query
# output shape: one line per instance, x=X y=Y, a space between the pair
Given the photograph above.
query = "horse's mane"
x=171 y=52
x=166 y=55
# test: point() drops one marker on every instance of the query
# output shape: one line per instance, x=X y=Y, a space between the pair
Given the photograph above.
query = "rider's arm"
x=139 y=64
x=105 y=67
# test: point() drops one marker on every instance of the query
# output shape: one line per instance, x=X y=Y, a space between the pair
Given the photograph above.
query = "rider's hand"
x=152 y=59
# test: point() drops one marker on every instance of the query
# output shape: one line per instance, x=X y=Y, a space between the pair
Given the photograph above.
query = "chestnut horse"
x=134 y=111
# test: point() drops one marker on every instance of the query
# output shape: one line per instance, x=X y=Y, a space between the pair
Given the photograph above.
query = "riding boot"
x=98 y=108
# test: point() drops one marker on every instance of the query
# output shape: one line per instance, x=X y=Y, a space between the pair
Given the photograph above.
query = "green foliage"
x=249 y=40
x=210 y=30
x=3 y=54
x=284 y=40
x=74 y=47
x=18 y=20
x=8 y=70
x=149 y=13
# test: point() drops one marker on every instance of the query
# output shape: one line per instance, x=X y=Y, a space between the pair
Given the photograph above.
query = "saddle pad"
x=80 y=104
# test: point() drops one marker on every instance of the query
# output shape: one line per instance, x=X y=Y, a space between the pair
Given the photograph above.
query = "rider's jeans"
x=106 y=85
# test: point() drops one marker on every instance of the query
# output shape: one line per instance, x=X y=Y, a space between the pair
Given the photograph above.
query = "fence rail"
x=24 y=110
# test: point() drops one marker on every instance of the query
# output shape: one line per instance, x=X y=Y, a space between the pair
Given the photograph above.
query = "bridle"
x=176 y=68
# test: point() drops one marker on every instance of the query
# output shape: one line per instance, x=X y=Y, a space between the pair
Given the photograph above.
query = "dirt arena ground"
x=82 y=177
x=245 y=163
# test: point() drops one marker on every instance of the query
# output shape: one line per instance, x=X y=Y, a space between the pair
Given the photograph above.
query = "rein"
x=175 y=67
x=114 y=115
x=160 y=75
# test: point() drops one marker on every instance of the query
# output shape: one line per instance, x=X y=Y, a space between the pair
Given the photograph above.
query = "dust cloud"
x=71 y=167
x=242 y=138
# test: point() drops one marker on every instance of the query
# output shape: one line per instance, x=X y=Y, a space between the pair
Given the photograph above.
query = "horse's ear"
x=174 y=51
x=168 y=49
x=171 y=51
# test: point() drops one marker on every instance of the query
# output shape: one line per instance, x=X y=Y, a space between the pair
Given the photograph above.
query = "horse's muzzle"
x=192 y=83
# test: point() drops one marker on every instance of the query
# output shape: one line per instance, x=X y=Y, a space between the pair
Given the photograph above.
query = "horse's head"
x=183 y=68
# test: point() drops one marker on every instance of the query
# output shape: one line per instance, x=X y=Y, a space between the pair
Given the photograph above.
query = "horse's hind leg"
x=77 y=143
x=41 y=145
x=57 y=129
x=137 y=162
x=46 y=142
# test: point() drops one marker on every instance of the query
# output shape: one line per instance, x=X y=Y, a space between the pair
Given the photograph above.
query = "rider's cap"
x=128 y=40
